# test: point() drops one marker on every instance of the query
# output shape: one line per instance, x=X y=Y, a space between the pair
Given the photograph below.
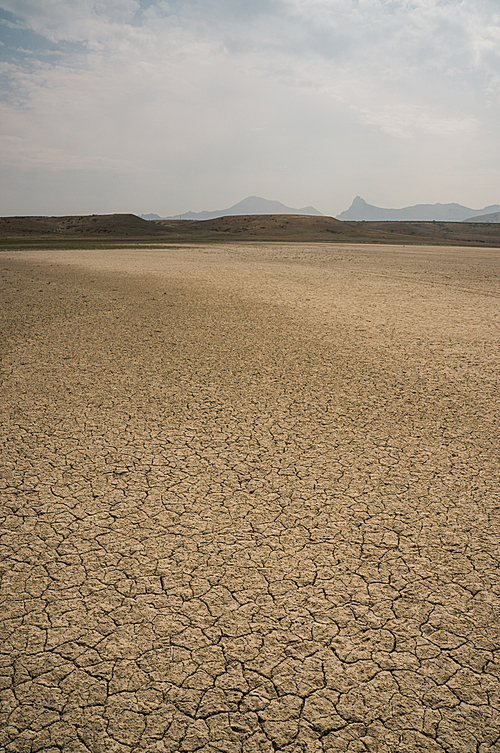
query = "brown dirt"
x=88 y=226
x=251 y=500
x=251 y=228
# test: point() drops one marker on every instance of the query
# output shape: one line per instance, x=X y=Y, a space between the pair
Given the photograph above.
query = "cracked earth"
x=251 y=500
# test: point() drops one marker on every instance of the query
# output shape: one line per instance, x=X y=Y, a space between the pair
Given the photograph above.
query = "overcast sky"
x=155 y=106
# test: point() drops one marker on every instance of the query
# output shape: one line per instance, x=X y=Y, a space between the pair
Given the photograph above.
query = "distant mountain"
x=492 y=217
x=250 y=205
x=360 y=210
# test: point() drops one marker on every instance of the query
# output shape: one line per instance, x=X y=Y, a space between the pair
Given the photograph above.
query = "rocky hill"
x=127 y=228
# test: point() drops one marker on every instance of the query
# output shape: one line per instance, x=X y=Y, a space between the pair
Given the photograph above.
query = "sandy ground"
x=252 y=500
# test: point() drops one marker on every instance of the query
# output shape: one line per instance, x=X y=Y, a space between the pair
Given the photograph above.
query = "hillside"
x=128 y=228
x=87 y=226
x=264 y=227
x=435 y=233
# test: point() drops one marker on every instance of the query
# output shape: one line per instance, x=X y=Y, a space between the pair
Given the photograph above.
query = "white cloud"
x=16 y=151
x=410 y=121
x=273 y=95
x=73 y=20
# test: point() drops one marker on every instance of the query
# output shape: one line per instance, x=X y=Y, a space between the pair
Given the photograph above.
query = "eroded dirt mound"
x=121 y=225
x=276 y=227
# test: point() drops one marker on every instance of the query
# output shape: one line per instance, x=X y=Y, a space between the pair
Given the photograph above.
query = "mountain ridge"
x=490 y=217
x=360 y=211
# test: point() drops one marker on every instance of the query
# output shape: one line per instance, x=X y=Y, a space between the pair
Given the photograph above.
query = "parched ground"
x=252 y=500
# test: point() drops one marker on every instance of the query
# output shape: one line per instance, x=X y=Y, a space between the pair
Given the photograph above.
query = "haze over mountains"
x=492 y=217
x=360 y=210
x=250 y=205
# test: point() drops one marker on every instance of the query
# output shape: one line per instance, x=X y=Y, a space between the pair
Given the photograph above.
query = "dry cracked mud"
x=251 y=500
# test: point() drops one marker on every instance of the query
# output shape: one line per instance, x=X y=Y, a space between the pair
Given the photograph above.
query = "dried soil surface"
x=252 y=500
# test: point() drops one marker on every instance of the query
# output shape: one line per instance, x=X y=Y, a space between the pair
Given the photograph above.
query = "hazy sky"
x=155 y=106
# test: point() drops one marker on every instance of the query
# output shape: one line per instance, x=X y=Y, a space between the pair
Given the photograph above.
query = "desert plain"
x=251 y=499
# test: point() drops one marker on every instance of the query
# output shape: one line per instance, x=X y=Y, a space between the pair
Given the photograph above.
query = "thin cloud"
x=411 y=121
x=182 y=88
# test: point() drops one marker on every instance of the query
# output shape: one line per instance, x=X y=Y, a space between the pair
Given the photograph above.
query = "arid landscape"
x=278 y=227
x=251 y=489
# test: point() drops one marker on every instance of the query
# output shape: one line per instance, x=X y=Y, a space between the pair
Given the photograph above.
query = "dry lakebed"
x=251 y=499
